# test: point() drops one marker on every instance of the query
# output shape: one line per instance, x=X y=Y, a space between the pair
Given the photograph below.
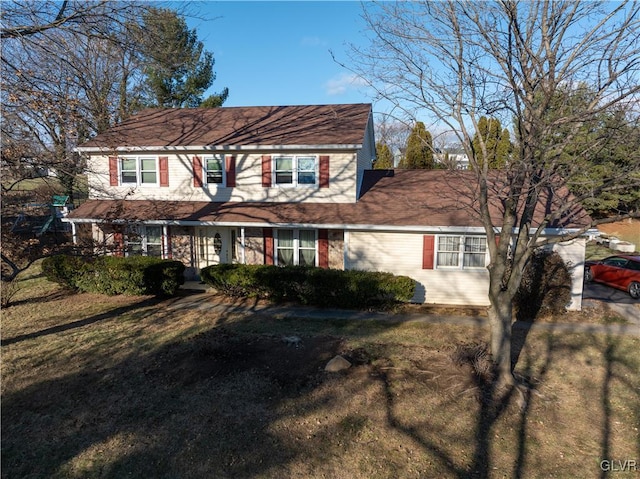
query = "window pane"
x=307 y=239
x=148 y=164
x=149 y=177
x=307 y=257
x=284 y=178
x=129 y=177
x=284 y=163
x=447 y=259
x=214 y=164
x=285 y=257
x=306 y=163
x=154 y=234
x=307 y=178
x=128 y=164
x=154 y=250
x=449 y=243
x=475 y=244
x=285 y=238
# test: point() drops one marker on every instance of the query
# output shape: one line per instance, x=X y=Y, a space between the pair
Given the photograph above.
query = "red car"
x=621 y=272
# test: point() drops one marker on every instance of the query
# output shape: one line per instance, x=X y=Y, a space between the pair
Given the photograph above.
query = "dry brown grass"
x=117 y=387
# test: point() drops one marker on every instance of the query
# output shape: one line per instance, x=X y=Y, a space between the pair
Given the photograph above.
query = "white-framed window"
x=461 y=251
x=139 y=170
x=143 y=240
x=292 y=170
x=296 y=247
x=213 y=167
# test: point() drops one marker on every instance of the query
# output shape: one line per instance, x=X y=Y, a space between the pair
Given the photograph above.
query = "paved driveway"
x=617 y=301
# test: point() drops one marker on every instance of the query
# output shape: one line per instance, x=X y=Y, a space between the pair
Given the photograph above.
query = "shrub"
x=136 y=275
x=63 y=269
x=309 y=285
x=545 y=286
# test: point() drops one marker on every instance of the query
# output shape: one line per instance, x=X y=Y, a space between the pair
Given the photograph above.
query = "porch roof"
x=402 y=199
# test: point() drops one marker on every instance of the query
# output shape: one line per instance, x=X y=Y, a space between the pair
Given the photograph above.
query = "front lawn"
x=96 y=386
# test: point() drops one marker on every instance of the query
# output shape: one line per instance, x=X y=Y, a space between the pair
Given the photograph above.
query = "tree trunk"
x=500 y=318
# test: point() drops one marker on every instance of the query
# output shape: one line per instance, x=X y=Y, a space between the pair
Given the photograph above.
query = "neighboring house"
x=287 y=185
x=453 y=158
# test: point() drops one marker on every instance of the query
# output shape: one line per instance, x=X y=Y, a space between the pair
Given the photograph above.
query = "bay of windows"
x=457 y=251
x=295 y=170
x=296 y=247
x=139 y=170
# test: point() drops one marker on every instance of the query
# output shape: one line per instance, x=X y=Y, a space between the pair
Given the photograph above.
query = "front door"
x=212 y=246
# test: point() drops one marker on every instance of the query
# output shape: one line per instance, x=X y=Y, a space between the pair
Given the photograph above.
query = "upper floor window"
x=214 y=170
x=139 y=170
x=456 y=251
x=295 y=170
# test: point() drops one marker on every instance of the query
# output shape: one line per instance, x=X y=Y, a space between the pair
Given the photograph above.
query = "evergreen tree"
x=419 y=152
x=496 y=142
x=178 y=69
x=384 y=156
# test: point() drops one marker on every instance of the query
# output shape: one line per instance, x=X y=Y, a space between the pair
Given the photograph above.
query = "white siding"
x=401 y=253
x=342 y=184
x=572 y=252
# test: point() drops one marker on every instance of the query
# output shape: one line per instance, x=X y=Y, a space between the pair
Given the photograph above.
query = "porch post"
x=242 y=256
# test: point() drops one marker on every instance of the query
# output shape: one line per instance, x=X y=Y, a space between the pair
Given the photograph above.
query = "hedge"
x=545 y=287
x=309 y=285
x=135 y=275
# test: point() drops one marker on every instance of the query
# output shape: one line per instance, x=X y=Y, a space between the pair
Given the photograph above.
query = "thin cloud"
x=340 y=84
x=313 y=42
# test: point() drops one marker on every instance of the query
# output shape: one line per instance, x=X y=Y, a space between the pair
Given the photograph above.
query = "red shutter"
x=231 y=171
x=267 y=234
x=266 y=171
x=197 y=172
x=428 y=253
x=118 y=241
x=113 y=170
x=163 y=165
x=323 y=248
x=324 y=172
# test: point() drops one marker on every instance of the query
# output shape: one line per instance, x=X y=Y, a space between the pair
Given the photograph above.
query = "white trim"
x=461 y=252
x=295 y=172
x=220 y=148
x=295 y=244
x=138 y=159
x=223 y=166
x=332 y=226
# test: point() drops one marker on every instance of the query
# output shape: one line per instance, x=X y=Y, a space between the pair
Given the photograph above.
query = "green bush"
x=63 y=269
x=309 y=285
x=545 y=287
x=136 y=275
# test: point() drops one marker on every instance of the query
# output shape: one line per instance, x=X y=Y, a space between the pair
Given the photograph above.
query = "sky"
x=278 y=53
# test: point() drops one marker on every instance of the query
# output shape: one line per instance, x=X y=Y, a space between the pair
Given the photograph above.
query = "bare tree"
x=458 y=61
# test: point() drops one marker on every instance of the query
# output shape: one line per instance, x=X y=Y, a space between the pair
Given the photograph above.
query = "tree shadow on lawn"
x=227 y=403
x=112 y=313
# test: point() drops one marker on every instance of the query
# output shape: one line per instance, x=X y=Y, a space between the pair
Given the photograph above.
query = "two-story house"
x=286 y=185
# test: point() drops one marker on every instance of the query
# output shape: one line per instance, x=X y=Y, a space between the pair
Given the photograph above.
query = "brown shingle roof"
x=240 y=126
x=418 y=198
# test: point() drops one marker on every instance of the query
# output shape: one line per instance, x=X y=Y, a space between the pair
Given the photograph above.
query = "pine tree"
x=384 y=160
x=419 y=153
x=497 y=143
x=177 y=67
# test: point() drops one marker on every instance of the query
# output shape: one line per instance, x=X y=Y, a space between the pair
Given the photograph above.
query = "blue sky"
x=278 y=53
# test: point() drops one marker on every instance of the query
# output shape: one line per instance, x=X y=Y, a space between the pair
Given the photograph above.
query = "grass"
x=96 y=386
